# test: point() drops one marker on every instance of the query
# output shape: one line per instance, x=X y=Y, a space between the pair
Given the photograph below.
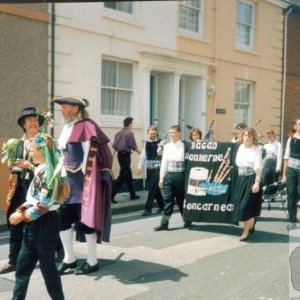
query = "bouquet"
x=9 y=150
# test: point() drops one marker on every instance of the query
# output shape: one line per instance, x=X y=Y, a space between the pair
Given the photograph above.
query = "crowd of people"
x=70 y=185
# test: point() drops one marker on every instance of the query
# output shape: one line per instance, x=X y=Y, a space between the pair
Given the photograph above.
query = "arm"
x=285 y=160
x=279 y=158
x=163 y=167
x=142 y=160
x=257 y=168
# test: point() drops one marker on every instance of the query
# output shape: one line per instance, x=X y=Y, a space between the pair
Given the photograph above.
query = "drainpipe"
x=284 y=72
x=52 y=61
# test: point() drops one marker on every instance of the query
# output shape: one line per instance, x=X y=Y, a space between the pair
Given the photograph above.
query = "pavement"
x=124 y=205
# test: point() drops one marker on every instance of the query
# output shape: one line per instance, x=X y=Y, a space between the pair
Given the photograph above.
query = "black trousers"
x=173 y=188
x=16 y=231
x=124 y=159
x=292 y=184
x=153 y=190
x=39 y=244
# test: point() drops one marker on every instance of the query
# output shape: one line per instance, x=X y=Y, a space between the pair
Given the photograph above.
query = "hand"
x=139 y=172
x=255 y=188
x=16 y=218
x=20 y=163
x=160 y=184
x=277 y=170
x=283 y=180
x=159 y=151
x=10 y=164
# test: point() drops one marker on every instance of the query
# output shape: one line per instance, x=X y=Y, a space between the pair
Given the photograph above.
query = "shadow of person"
x=260 y=236
x=136 y=271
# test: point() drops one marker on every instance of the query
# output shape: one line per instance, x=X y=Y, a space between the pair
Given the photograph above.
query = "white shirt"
x=274 y=150
x=249 y=157
x=172 y=152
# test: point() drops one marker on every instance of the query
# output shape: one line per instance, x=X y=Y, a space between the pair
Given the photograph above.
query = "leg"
x=179 y=191
x=46 y=243
x=91 y=265
x=122 y=175
x=152 y=186
x=26 y=263
x=292 y=184
x=168 y=196
x=15 y=242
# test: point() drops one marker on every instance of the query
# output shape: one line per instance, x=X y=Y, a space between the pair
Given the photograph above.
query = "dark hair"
x=176 y=127
x=193 y=130
x=127 y=121
x=241 y=126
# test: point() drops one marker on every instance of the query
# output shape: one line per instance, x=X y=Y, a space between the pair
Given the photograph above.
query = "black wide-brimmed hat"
x=71 y=100
x=30 y=112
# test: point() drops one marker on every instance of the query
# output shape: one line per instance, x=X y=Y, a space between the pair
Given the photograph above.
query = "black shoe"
x=161 y=227
x=245 y=238
x=114 y=201
x=146 y=213
x=187 y=224
x=7 y=268
x=64 y=266
x=293 y=220
x=86 y=269
x=159 y=211
x=134 y=197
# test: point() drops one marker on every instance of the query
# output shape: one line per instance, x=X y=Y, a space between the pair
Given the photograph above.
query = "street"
x=206 y=261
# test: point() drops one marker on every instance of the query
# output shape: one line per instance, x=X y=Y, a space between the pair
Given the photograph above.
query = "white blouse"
x=249 y=157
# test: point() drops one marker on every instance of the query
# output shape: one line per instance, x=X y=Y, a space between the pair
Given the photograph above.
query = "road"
x=205 y=262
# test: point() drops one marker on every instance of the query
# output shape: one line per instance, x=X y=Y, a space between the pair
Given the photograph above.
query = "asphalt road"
x=205 y=262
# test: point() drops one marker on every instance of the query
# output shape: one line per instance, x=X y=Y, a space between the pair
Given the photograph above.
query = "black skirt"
x=246 y=204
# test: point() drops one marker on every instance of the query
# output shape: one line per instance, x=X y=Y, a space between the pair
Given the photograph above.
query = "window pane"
x=125 y=76
x=123 y=103
x=244 y=26
x=107 y=101
x=189 y=15
x=112 y=5
x=109 y=73
x=125 y=7
x=242 y=103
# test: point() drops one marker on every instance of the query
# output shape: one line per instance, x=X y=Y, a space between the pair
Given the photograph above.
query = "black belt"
x=123 y=152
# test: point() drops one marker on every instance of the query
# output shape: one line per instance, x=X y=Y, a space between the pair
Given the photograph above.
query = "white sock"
x=91 y=240
x=67 y=241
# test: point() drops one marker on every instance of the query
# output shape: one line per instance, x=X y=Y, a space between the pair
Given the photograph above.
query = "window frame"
x=117 y=89
x=188 y=32
x=252 y=27
x=250 y=103
x=121 y=11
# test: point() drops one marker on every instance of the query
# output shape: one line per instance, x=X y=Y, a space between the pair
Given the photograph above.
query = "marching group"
x=69 y=185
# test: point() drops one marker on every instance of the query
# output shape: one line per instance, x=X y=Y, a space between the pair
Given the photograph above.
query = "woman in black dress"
x=248 y=191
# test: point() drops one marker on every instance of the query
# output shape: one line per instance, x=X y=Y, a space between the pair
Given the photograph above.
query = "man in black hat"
x=88 y=161
x=124 y=144
x=22 y=170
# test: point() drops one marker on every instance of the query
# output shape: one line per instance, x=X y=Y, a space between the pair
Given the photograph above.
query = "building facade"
x=24 y=68
x=173 y=62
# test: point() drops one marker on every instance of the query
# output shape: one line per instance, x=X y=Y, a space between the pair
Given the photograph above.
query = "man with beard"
x=88 y=162
x=22 y=170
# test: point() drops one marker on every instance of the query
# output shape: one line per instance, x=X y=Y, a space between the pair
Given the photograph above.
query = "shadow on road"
x=136 y=271
x=259 y=236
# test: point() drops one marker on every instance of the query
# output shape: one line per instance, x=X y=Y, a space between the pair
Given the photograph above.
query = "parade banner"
x=210 y=177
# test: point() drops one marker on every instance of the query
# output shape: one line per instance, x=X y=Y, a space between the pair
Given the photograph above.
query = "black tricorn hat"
x=71 y=100
x=30 y=112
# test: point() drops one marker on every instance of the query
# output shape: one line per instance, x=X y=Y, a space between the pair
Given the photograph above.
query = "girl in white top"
x=247 y=191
